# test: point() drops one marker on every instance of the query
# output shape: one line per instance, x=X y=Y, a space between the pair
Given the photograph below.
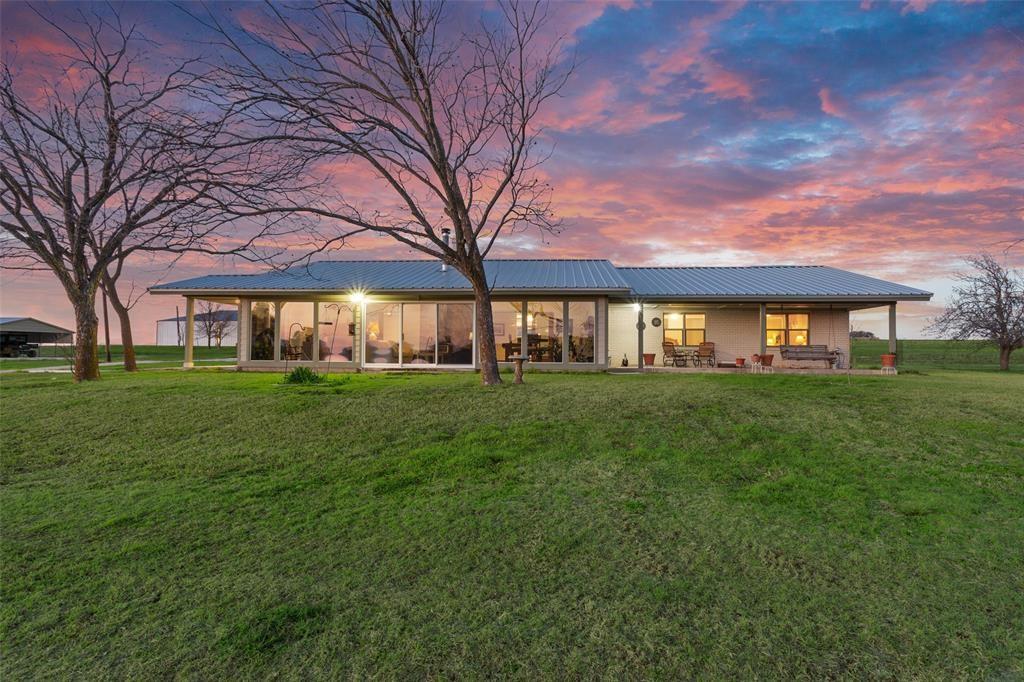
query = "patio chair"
x=705 y=356
x=673 y=355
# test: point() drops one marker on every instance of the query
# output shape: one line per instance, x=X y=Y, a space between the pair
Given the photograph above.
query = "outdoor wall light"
x=356 y=297
x=636 y=307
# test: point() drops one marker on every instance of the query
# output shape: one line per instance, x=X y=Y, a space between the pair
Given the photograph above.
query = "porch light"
x=636 y=307
x=356 y=296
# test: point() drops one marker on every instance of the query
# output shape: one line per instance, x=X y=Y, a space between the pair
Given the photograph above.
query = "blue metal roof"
x=759 y=282
x=780 y=281
x=416 y=275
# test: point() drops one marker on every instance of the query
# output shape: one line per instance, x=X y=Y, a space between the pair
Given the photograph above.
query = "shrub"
x=303 y=375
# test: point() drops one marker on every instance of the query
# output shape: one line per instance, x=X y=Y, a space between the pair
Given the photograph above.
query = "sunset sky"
x=886 y=138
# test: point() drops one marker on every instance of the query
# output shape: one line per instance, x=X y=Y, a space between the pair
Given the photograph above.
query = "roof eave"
x=773 y=298
x=248 y=293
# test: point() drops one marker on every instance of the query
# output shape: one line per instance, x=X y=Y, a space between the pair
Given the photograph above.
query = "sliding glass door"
x=419 y=334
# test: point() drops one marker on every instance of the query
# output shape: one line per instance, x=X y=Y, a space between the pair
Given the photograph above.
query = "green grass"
x=934 y=354
x=223 y=525
x=166 y=355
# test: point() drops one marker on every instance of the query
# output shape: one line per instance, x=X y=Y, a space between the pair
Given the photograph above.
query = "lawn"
x=163 y=355
x=221 y=525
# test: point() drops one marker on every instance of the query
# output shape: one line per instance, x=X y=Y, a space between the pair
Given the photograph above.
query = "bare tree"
x=446 y=121
x=213 y=322
x=122 y=308
x=989 y=304
x=111 y=160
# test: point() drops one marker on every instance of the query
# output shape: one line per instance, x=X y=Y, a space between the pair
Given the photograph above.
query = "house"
x=561 y=314
x=23 y=335
x=216 y=328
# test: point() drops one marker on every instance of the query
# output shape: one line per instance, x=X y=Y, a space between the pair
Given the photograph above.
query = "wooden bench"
x=809 y=353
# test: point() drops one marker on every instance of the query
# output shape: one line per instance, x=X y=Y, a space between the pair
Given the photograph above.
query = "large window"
x=455 y=333
x=297 y=331
x=383 y=332
x=790 y=329
x=508 y=327
x=337 y=329
x=261 y=331
x=582 y=324
x=685 y=329
x=419 y=333
x=545 y=327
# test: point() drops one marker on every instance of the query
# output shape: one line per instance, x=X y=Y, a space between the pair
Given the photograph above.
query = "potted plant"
x=648 y=359
x=740 y=362
x=888 y=359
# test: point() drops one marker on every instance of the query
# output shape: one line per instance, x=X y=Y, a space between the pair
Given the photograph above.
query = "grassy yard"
x=932 y=354
x=165 y=355
x=212 y=524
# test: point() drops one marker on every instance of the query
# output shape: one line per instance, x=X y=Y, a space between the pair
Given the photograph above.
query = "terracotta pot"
x=740 y=362
x=889 y=360
x=648 y=359
x=766 y=359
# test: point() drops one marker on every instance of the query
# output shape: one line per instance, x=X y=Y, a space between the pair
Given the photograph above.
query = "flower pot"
x=648 y=359
x=740 y=362
x=766 y=359
x=889 y=360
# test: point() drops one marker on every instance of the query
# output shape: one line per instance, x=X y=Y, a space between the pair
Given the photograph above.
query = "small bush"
x=303 y=375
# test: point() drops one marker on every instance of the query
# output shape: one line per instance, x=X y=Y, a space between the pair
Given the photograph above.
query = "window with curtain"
x=788 y=329
x=684 y=329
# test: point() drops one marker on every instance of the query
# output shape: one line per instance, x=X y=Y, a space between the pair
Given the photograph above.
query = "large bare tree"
x=445 y=119
x=988 y=304
x=111 y=158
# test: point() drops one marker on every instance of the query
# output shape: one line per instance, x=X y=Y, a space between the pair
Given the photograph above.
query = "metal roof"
x=219 y=315
x=782 y=282
x=30 y=324
x=416 y=275
x=778 y=281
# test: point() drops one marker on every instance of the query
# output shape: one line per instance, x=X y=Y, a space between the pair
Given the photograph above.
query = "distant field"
x=169 y=354
x=933 y=354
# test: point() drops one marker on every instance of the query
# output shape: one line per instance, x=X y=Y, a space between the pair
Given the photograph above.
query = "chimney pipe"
x=445 y=236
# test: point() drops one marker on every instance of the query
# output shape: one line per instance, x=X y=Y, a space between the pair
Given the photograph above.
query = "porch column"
x=190 y=330
x=892 y=328
x=640 y=336
x=763 y=315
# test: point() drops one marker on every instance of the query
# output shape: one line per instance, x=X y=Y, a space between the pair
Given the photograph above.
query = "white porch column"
x=892 y=328
x=190 y=330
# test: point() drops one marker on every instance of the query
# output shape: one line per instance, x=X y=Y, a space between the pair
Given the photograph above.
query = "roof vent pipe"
x=445 y=236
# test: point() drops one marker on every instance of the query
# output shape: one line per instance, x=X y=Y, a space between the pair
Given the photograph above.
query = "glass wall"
x=297 y=330
x=419 y=333
x=337 y=330
x=544 y=327
x=261 y=330
x=582 y=325
x=508 y=327
x=455 y=334
x=383 y=331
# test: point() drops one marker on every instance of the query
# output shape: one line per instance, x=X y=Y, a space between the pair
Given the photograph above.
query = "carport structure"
x=15 y=331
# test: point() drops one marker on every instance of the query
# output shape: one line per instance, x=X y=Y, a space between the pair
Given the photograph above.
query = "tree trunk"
x=87 y=350
x=487 y=352
x=127 y=343
x=1004 y=357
